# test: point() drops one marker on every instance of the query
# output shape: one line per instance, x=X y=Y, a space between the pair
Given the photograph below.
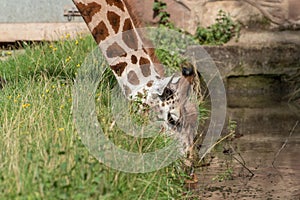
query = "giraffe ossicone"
x=133 y=65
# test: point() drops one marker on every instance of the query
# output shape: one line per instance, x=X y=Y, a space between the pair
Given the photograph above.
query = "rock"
x=271 y=76
x=188 y=14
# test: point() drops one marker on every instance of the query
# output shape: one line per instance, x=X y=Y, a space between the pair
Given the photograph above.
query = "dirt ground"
x=258 y=165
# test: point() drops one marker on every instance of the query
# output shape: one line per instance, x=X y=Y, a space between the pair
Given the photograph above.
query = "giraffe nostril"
x=173 y=117
x=171 y=120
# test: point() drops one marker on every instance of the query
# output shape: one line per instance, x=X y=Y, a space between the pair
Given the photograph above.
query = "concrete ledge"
x=266 y=38
x=12 y=32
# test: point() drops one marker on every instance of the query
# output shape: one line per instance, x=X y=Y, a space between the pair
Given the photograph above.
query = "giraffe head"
x=170 y=99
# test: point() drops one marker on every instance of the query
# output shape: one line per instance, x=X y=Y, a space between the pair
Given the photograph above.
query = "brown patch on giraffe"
x=145 y=66
x=135 y=16
x=127 y=90
x=129 y=36
x=88 y=11
x=117 y=3
x=134 y=13
x=100 y=32
x=114 y=50
x=119 y=68
x=133 y=59
x=133 y=78
x=150 y=83
x=114 y=20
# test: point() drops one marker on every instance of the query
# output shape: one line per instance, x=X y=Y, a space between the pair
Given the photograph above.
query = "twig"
x=244 y=165
x=284 y=144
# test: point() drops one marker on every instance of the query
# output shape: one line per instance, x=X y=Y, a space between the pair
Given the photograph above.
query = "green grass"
x=41 y=155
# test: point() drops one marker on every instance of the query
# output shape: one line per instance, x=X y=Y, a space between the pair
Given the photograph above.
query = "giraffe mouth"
x=173 y=117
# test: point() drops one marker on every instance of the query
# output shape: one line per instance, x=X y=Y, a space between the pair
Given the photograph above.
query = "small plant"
x=159 y=11
x=173 y=60
x=226 y=175
x=139 y=111
x=219 y=33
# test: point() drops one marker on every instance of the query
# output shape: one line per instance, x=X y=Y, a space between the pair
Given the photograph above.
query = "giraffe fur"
x=136 y=69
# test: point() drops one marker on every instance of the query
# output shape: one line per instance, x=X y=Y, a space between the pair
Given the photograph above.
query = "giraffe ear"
x=160 y=85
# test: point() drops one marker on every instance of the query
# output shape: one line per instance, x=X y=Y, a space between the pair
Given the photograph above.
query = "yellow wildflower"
x=76 y=42
x=61 y=129
x=78 y=65
x=26 y=105
x=68 y=35
x=68 y=59
x=8 y=53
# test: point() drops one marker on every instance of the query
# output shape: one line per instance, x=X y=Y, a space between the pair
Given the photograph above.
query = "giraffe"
x=113 y=26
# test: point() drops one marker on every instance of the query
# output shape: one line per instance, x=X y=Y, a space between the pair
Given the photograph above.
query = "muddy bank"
x=261 y=163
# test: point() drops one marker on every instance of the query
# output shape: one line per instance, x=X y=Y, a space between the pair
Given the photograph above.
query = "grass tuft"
x=42 y=156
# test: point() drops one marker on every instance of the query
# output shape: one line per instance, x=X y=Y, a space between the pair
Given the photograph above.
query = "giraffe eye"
x=187 y=69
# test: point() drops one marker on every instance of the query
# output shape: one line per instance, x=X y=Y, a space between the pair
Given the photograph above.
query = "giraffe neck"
x=114 y=31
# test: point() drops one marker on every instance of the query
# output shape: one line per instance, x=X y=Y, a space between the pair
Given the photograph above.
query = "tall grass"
x=41 y=155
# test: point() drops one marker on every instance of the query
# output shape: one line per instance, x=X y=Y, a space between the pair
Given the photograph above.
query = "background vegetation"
x=218 y=33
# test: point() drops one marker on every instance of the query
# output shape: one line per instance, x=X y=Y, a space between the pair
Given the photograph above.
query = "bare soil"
x=257 y=165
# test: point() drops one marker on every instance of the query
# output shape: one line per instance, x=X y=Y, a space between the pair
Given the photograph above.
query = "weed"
x=219 y=33
x=139 y=110
x=226 y=175
x=159 y=10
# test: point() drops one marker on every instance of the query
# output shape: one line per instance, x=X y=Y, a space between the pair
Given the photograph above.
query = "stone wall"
x=252 y=76
x=188 y=14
